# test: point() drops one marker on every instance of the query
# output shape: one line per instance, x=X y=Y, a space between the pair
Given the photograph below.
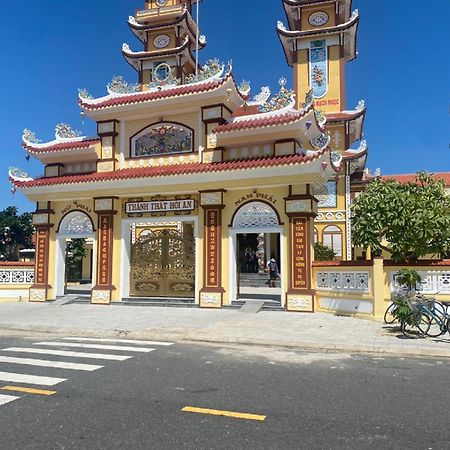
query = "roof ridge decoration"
x=118 y=85
x=29 y=136
x=64 y=133
x=283 y=101
x=213 y=70
x=280 y=104
x=18 y=175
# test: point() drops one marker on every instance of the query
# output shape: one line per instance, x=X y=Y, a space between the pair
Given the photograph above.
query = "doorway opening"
x=255 y=280
x=75 y=255
x=78 y=265
x=255 y=238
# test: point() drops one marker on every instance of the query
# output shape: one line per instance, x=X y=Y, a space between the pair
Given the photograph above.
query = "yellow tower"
x=170 y=37
x=318 y=42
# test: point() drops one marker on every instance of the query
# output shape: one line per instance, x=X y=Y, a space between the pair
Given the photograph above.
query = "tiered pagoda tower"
x=319 y=40
x=170 y=37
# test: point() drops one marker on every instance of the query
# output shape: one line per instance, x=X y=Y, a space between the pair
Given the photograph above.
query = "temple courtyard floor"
x=228 y=326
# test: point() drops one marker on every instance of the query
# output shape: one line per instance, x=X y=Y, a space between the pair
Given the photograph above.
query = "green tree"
x=323 y=253
x=75 y=251
x=407 y=220
x=16 y=232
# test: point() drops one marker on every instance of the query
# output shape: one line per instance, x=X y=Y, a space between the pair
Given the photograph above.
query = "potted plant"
x=408 y=280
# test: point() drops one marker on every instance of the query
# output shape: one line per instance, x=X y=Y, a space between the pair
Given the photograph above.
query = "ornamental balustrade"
x=16 y=276
x=433 y=282
x=343 y=281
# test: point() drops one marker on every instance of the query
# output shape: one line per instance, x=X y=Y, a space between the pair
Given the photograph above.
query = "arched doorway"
x=75 y=254
x=255 y=238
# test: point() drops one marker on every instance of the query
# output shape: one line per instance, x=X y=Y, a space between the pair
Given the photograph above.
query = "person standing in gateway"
x=272 y=266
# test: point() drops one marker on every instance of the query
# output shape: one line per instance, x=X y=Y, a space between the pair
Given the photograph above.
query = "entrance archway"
x=75 y=227
x=256 y=226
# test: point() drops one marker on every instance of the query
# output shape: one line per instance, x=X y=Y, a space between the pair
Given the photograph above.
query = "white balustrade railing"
x=16 y=276
x=343 y=281
x=435 y=282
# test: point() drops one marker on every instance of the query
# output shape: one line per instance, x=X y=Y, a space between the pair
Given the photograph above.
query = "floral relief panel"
x=163 y=139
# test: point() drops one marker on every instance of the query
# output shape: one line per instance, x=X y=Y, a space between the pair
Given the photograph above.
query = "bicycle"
x=439 y=317
x=427 y=317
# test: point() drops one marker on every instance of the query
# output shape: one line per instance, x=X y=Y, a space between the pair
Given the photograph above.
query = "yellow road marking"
x=26 y=390
x=216 y=412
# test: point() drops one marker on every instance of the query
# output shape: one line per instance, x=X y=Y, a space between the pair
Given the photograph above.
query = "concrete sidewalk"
x=305 y=331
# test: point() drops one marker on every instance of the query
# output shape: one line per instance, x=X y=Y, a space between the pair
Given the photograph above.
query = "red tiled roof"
x=246 y=111
x=172 y=170
x=62 y=146
x=361 y=262
x=271 y=120
x=343 y=116
x=419 y=262
x=410 y=177
x=149 y=96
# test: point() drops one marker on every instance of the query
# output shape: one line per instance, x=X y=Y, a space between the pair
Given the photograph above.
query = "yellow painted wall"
x=334 y=100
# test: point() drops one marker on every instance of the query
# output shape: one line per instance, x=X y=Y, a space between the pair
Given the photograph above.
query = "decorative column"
x=107 y=130
x=105 y=209
x=41 y=221
x=211 y=295
x=301 y=210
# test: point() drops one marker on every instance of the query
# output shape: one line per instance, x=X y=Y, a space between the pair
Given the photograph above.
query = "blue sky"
x=53 y=47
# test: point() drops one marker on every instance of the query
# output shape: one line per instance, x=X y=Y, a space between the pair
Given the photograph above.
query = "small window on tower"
x=161 y=71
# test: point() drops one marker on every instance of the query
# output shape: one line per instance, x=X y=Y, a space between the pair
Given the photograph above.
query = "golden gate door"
x=163 y=265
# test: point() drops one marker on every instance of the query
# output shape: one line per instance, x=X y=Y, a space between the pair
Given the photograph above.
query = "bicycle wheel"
x=437 y=326
x=389 y=316
x=416 y=325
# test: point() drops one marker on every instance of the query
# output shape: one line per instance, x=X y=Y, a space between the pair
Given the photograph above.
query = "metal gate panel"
x=163 y=265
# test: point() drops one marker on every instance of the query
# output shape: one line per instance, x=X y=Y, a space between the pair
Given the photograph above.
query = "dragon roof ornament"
x=213 y=69
x=244 y=88
x=29 y=137
x=63 y=131
x=262 y=97
x=118 y=85
x=361 y=105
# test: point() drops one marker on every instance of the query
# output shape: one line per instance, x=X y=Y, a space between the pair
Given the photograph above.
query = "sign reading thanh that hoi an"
x=299 y=269
x=160 y=206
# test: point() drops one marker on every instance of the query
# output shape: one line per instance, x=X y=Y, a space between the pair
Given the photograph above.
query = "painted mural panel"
x=327 y=195
x=318 y=68
x=163 y=139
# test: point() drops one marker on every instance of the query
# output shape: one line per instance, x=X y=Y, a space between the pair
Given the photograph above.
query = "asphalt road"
x=310 y=400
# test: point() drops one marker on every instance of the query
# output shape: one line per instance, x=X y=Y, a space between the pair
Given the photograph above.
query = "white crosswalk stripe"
x=97 y=346
x=47 y=363
x=30 y=379
x=4 y=399
x=123 y=341
x=84 y=348
x=45 y=351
